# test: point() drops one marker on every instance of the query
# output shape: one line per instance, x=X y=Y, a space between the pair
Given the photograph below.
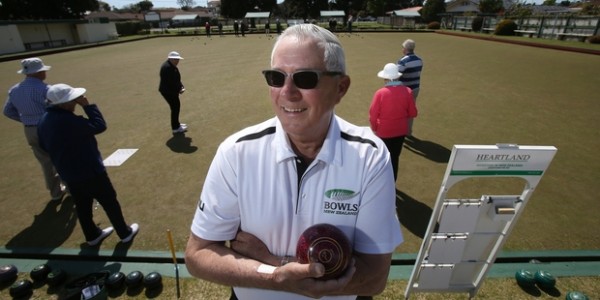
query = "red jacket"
x=392 y=106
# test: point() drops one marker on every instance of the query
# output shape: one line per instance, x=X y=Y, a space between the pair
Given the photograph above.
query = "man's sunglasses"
x=306 y=79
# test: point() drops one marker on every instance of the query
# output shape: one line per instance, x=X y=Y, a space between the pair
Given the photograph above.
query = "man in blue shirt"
x=26 y=103
x=410 y=65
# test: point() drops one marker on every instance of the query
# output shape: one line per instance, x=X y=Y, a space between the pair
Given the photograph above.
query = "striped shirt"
x=26 y=101
x=410 y=66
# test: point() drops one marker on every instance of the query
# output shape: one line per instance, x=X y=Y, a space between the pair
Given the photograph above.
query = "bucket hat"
x=63 y=93
x=32 y=66
x=174 y=55
x=390 y=71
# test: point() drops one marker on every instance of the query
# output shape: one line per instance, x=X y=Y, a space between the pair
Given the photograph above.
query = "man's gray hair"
x=409 y=45
x=334 y=58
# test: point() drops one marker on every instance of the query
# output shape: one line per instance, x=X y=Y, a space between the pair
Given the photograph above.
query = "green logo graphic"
x=340 y=194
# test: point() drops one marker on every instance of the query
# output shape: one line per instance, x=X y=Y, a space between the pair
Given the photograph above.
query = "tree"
x=104 y=6
x=549 y=2
x=145 y=5
x=376 y=7
x=186 y=4
x=490 y=6
x=565 y=3
x=519 y=10
x=46 y=9
x=432 y=9
x=591 y=8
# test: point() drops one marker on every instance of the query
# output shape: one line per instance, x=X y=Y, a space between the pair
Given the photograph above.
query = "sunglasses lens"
x=306 y=79
x=274 y=78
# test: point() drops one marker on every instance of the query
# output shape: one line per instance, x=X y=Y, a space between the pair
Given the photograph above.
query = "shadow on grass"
x=413 y=214
x=430 y=150
x=551 y=291
x=50 y=228
x=530 y=289
x=179 y=143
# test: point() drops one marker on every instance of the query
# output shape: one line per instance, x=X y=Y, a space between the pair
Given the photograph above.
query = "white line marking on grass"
x=119 y=157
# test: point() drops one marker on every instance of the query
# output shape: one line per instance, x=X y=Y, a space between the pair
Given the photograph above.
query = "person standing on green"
x=410 y=65
x=171 y=87
x=71 y=142
x=26 y=104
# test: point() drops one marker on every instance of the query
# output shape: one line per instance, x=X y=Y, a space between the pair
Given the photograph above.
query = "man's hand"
x=304 y=279
x=82 y=100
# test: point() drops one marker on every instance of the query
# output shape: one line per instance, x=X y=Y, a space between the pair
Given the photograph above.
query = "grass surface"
x=473 y=92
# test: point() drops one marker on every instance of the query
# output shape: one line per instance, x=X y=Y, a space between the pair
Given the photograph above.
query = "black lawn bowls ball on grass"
x=56 y=277
x=153 y=280
x=576 y=295
x=40 y=272
x=134 y=279
x=8 y=273
x=115 y=281
x=325 y=244
x=525 y=278
x=21 y=288
x=544 y=279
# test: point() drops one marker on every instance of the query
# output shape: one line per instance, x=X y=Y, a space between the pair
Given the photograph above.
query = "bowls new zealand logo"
x=325 y=244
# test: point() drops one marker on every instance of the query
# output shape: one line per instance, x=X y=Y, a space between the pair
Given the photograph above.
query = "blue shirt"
x=410 y=66
x=26 y=102
x=70 y=140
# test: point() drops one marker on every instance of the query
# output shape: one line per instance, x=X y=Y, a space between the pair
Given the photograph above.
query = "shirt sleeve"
x=217 y=216
x=379 y=203
x=11 y=112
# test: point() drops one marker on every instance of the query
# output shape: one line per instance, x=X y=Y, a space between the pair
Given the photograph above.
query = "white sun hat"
x=32 y=65
x=63 y=93
x=390 y=71
x=174 y=55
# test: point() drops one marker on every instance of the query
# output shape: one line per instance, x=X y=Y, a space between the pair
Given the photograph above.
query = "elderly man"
x=26 y=103
x=170 y=88
x=70 y=140
x=410 y=65
x=271 y=181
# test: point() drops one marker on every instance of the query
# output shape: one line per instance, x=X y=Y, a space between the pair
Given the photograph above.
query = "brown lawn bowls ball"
x=325 y=244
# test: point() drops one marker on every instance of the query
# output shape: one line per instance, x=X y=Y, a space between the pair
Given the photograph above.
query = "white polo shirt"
x=252 y=183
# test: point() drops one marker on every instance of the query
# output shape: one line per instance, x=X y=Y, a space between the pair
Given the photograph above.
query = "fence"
x=548 y=27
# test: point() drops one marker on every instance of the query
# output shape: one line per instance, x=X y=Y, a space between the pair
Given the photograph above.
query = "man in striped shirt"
x=410 y=66
x=26 y=103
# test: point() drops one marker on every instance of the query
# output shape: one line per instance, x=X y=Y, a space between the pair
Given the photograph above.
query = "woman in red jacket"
x=391 y=109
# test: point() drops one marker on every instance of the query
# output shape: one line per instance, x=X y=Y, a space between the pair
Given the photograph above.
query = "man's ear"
x=343 y=86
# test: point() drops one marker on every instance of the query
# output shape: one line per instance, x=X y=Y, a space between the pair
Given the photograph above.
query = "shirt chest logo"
x=337 y=203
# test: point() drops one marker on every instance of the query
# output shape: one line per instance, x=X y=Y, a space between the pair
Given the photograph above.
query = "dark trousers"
x=175 y=106
x=394 y=146
x=101 y=189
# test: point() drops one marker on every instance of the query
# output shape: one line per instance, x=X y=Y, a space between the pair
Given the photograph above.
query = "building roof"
x=257 y=15
x=113 y=16
x=333 y=13
x=411 y=12
x=185 y=17
x=165 y=14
